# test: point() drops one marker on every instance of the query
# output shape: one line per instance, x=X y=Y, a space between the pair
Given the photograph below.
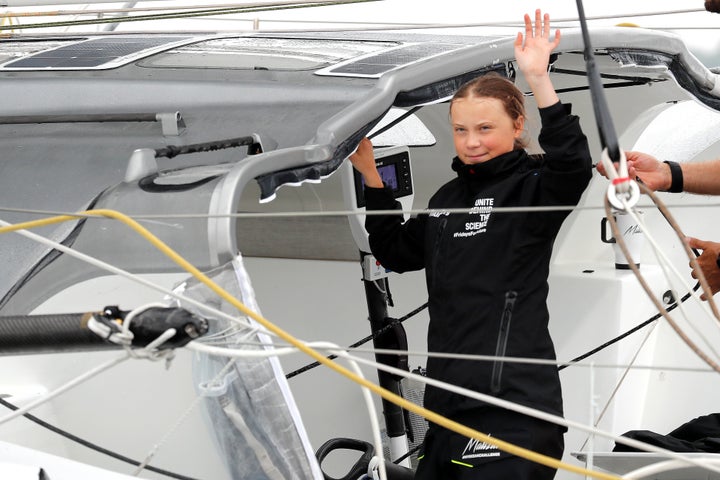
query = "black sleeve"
x=398 y=245
x=568 y=165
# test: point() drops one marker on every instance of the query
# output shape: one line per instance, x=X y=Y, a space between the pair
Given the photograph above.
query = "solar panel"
x=376 y=64
x=93 y=53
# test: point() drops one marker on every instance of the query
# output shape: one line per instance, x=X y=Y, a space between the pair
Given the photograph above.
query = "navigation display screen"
x=394 y=170
x=388 y=173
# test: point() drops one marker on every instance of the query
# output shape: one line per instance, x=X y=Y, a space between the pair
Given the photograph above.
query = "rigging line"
x=606 y=86
x=627 y=333
x=394 y=122
x=384 y=28
x=362 y=341
x=510 y=23
x=529 y=361
x=397 y=27
x=504 y=23
x=104 y=11
x=198 y=398
x=90 y=445
x=692 y=255
x=535 y=413
x=408 y=454
x=64 y=388
x=619 y=383
x=609 y=76
x=646 y=287
x=336 y=213
x=193 y=13
x=288 y=350
x=664 y=263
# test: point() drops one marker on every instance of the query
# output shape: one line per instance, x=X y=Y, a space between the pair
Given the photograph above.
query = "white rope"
x=345 y=213
x=200 y=346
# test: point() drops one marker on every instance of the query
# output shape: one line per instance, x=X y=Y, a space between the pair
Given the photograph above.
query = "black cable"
x=606 y=129
x=91 y=445
x=636 y=328
x=410 y=452
x=629 y=332
x=394 y=122
x=363 y=341
x=607 y=85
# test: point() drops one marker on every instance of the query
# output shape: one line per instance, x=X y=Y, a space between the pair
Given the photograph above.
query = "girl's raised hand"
x=532 y=51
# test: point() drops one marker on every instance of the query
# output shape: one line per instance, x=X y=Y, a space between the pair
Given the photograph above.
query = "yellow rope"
x=396 y=399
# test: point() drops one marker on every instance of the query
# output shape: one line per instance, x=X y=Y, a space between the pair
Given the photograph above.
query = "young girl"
x=487 y=272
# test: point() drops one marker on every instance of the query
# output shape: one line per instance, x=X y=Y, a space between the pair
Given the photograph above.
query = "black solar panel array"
x=389 y=60
x=90 y=53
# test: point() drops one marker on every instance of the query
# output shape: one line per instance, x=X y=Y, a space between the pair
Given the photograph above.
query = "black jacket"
x=487 y=272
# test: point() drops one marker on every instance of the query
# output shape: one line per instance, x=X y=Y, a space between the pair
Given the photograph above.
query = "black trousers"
x=447 y=455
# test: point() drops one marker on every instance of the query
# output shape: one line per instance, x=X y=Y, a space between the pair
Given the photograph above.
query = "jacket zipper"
x=436 y=248
x=503 y=335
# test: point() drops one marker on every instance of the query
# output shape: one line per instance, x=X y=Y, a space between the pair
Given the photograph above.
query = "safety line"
x=561 y=365
x=287 y=349
x=167 y=16
x=105 y=11
x=389 y=26
x=345 y=213
x=391 y=325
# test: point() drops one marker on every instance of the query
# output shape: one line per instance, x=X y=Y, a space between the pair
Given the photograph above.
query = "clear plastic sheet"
x=249 y=406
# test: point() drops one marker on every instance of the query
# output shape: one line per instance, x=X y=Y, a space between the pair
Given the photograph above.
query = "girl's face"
x=482 y=129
